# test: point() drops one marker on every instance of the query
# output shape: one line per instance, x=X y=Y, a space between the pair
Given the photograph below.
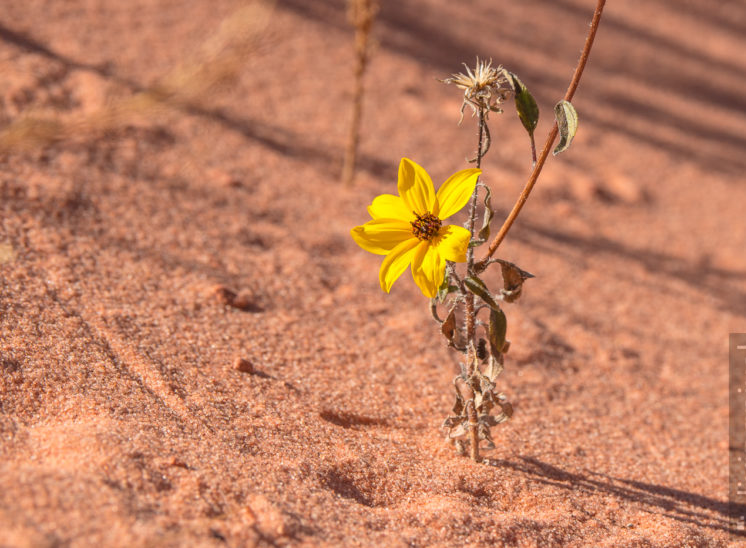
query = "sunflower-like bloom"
x=409 y=229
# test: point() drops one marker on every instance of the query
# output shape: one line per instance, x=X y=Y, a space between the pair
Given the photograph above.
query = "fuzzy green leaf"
x=525 y=104
x=478 y=287
x=567 y=122
x=445 y=288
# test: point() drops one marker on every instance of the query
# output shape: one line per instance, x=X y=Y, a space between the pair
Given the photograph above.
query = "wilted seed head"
x=484 y=88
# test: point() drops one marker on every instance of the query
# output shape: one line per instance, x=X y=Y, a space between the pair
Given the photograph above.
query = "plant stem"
x=470 y=316
x=362 y=13
x=495 y=243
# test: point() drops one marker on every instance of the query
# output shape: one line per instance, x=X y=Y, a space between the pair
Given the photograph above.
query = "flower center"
x=426 y=226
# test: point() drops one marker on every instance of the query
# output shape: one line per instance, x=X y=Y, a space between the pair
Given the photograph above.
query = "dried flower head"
x=484 y=88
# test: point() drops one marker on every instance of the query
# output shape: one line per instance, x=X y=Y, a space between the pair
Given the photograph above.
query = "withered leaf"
x=497 y=331
x=567 y=122
x=458 y=407
x=448 y=327
x=494 y=367
x=484 y=434
x=450 y=422
x=478 y=287
x=482 y=350
x=513 y=278
x=477 y=400
x=484 y=232
x=505 y=405
x=459 y=430
x=486 y=385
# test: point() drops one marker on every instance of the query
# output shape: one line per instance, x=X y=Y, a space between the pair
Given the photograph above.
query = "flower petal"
x=452 y=242
x=396 y=262
x=428 y=269
x=380 y=236
x=456 y=191
x=416 y=188
x=388 y=206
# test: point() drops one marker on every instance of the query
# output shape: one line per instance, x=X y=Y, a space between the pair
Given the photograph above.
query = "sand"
x=194 y=352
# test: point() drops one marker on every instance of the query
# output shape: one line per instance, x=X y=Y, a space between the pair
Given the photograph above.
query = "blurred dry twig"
x=361 y=13
x=218 y=60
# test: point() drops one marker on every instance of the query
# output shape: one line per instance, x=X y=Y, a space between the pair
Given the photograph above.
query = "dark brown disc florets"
x=426 y=226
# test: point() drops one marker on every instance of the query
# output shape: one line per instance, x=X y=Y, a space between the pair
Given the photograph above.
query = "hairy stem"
x=470 y=315
x=471 y=413
x=495 y=243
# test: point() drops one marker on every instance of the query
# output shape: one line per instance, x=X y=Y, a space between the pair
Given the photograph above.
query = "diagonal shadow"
x=280 y=140
x=405 y=31
x=34 y=46
x=702 y=276
x=673 y=503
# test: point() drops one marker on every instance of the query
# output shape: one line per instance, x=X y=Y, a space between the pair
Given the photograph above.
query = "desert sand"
x=194 y=352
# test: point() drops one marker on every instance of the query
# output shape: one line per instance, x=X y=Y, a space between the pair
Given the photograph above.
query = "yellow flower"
x=409 y=228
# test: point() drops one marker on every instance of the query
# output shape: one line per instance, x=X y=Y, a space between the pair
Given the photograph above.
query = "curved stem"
x=495 y=243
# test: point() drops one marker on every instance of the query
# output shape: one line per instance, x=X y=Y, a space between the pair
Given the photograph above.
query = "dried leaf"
x=497 y=330
x=458 y=407
x=567 y=122
x=448 y=327
x=482 y=350
x=505 y=405
x=477 y=399
x=484 y=434
x=498 y=419
x=486 y=385
x=450 y=422
x=513 y=278
x=459 y=430
x=484 y=232
x=478 y=287
x=494 y=368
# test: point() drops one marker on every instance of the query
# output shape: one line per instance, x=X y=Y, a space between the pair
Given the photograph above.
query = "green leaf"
x=445 y=288
x=525 y=104
x=478 y=287
x=567 y=122
x=497 y=331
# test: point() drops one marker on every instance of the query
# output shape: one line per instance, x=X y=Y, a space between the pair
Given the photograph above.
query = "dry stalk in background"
x=361 y=13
